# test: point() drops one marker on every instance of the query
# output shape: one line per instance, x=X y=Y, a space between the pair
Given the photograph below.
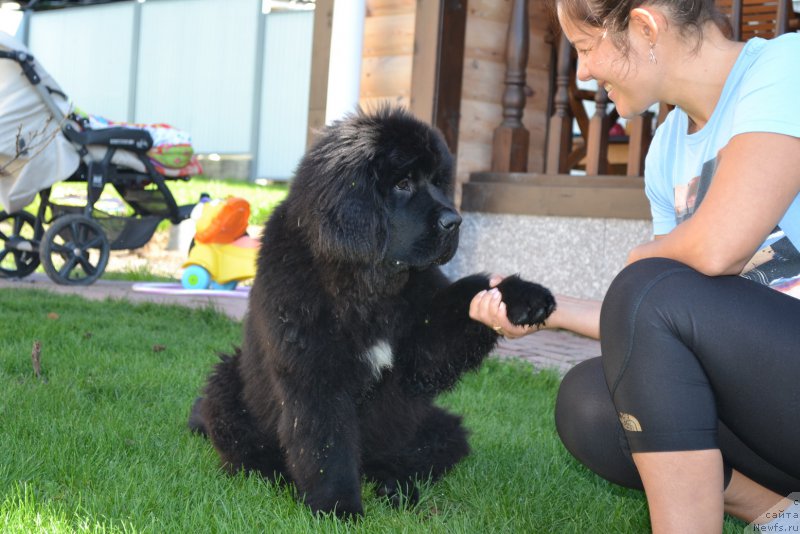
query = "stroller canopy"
x=34 y=154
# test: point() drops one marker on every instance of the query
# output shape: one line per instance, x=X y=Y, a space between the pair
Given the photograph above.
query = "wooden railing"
x=589 y=151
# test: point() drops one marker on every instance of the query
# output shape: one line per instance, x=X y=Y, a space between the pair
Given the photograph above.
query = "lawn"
x=262 y=198
x=97 y=442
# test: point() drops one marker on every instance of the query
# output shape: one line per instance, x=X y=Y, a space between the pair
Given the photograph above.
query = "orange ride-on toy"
x=223 y=254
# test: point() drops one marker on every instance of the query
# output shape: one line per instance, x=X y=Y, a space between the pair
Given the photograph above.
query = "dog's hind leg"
x=196 y=423
x=438 y=444
x=231 y=428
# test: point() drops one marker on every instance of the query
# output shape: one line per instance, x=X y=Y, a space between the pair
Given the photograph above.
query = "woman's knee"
x=580 y=403
x=631 y=287
x=588 y=426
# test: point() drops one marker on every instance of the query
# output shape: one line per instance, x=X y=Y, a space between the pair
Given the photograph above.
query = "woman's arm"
x=757 y=178
x=581 y=316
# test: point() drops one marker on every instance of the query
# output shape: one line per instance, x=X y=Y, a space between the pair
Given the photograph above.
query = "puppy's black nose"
x=449 y=220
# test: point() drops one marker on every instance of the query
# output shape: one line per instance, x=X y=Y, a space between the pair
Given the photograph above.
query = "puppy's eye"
x=440 y=181
x=403 y=185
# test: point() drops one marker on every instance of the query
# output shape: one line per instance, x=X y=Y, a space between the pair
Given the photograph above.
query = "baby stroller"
x=44 y=141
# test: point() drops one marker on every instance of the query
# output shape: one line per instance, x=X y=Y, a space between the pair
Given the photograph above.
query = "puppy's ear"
x=336 y=196
x=353 y=227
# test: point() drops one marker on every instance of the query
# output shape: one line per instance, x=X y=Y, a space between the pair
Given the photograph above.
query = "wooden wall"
x=388 y=52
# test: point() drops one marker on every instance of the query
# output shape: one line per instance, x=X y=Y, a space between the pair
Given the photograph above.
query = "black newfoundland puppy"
x=352 y=330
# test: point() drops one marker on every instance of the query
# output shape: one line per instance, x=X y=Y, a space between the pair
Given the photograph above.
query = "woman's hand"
x=488 y=308
x=580 y=316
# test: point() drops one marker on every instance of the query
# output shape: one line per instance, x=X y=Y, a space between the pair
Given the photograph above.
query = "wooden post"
x=736 y=19
x=320 y=63
x=559 y=135
x=511 y=139
x=450 y=70
x=641 y=133
x=782 y=22
x=597 y=142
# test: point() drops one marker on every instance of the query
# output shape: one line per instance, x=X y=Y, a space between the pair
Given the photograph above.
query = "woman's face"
x=628 y=80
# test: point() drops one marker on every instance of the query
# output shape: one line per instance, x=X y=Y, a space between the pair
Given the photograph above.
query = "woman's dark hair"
x=613 y=16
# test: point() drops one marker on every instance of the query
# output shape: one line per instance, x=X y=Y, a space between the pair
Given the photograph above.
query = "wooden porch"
x=589 y=171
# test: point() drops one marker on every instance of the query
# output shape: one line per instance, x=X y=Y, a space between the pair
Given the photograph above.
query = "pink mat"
x=241 y=292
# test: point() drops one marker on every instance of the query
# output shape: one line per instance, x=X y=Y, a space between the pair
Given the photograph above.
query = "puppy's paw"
x=347 y=507
x=399 y=494
x=526 y=302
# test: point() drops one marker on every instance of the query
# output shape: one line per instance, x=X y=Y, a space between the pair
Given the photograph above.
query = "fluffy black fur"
x=352 y=330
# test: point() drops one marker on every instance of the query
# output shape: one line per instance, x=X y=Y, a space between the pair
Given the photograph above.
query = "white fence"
x=236 y=79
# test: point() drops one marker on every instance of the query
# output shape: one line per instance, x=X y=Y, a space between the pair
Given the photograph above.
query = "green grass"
x=262 y=198
x=98 y=442
x=141 y=273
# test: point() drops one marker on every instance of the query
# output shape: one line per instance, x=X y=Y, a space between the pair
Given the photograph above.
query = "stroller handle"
x=25 y=61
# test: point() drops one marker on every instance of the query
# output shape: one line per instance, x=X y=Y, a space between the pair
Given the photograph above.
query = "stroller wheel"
x=18 y=255
x=74 y=250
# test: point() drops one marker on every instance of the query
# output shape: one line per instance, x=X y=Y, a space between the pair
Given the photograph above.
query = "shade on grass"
x=98 y=442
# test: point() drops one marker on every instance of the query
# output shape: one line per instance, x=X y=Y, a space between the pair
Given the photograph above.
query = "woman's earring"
x=653 y=54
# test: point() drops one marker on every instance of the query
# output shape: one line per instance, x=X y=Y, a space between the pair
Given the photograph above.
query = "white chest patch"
x=379 y=357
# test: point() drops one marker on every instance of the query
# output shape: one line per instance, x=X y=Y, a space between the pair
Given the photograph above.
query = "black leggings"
x=690 y=362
